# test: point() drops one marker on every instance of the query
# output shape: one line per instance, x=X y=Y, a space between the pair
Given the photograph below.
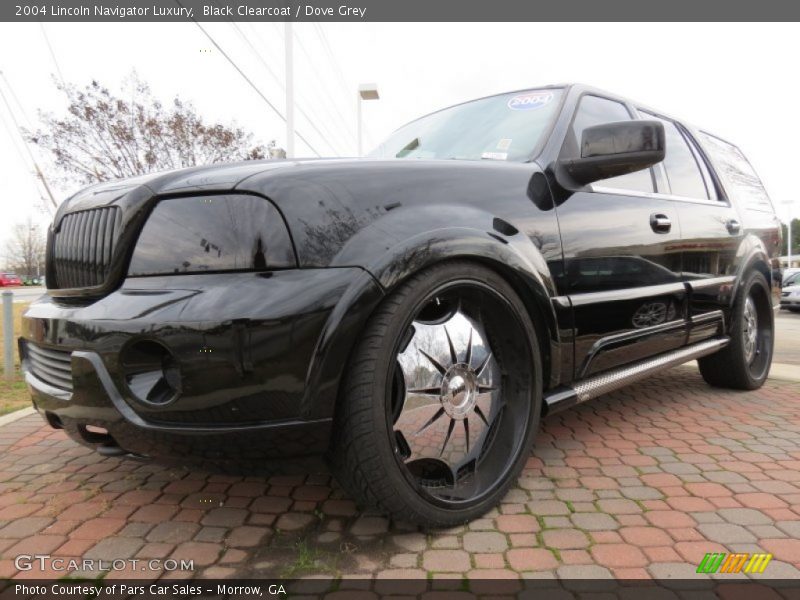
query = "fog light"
x=151 y=372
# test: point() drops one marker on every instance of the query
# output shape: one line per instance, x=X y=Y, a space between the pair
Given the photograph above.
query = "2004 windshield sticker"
x=530 y=100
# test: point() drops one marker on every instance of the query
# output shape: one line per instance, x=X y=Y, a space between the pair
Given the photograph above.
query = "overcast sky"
x=737 y=80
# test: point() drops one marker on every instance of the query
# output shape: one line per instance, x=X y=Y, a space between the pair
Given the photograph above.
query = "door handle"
x=660 y=223
x=733 y=226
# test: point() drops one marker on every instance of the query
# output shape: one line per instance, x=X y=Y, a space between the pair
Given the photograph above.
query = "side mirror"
x=613 y=149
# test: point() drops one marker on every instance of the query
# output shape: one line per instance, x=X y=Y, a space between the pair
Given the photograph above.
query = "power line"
x=250 y=82
x=300 y=109
x=15 y=142
x=326 y=120
x=337 y=69
x=24 y=141
x=320 y=77
x=327 y=47
x=257 y=54
x=52 y=54
x=343 y=123
x=16 y=100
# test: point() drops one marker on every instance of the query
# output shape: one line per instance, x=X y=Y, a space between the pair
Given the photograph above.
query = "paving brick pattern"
x=638 y=484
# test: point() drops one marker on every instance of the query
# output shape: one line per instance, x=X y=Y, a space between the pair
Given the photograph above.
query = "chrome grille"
x=51 y=366
x=83 y=246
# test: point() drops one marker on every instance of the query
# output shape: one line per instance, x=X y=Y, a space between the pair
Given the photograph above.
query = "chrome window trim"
x=658 y=196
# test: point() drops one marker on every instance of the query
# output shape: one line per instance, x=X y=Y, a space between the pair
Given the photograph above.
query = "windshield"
x=507 y=127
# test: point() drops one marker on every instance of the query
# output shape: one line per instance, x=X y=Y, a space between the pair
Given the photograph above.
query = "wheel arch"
x=508 y=253
x=752 y=255
x=514 y=258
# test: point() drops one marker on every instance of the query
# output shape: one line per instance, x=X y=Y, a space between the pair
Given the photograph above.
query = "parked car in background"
x=31 y=281
x=412 y=314
x=9 y=279
x=790 y=277
x=790 y=295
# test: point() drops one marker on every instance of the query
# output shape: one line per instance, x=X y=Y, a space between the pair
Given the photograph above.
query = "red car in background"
x=9 y=279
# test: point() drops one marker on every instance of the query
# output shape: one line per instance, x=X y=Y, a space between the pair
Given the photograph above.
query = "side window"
x=594 y=110
x=212 y=233
x=683 y=172
x=711 y=188
x=738 y=175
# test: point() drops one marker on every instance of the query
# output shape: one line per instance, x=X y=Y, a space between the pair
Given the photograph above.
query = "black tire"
x=368 y=455
x=731 y=367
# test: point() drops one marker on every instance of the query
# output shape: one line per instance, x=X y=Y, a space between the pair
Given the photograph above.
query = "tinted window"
x=683 y=173
x=737 y=174
x=212 y=233
x=594 y=110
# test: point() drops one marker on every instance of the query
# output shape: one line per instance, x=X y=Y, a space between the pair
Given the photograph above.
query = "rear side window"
x=680 y=163
x=212 y=233
x=738 y=175
x=594 y=110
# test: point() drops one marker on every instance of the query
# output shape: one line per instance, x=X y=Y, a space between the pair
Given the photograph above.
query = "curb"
x=785 y=372
x=17 y=415
x=778 y=371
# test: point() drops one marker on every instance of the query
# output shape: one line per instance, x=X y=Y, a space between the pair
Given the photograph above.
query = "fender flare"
x=389 y=252
x=500 y=247
x=752 y=253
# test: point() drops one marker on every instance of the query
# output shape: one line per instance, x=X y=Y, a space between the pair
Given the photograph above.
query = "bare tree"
x=26 y=249
x=103 y=136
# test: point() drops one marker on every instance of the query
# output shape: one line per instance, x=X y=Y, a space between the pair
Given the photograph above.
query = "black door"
x=710 y=229
x=622 y=259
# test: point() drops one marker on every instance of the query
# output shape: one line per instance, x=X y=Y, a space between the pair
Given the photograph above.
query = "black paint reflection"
x=212 y=233
x=620 y=275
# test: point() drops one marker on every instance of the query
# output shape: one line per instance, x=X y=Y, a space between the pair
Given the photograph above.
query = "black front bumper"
x=259 y=359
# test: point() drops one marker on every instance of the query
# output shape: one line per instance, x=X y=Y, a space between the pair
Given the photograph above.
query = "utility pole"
x=789 y=203
x=8 y=336
x=289 y=53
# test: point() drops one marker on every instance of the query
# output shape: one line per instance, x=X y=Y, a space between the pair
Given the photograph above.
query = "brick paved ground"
x=640 y=483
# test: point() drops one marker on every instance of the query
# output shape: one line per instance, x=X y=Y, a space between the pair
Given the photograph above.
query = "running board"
x=596 y=385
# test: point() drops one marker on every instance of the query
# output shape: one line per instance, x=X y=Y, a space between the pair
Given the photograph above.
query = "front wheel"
x=744 y=363
x=442 y=401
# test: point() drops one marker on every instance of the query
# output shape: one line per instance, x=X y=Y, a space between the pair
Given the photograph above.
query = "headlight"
x=201 y=234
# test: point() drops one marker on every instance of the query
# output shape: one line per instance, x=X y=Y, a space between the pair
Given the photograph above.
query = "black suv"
x=412 y=314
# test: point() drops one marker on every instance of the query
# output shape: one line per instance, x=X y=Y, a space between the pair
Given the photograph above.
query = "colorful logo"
x=530 y=100
x=720 y=562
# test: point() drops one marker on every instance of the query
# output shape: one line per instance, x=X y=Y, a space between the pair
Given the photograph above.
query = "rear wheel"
x=442 y=401
x=744 y=363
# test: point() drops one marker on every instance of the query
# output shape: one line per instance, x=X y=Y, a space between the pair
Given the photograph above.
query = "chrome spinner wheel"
x=455 y=424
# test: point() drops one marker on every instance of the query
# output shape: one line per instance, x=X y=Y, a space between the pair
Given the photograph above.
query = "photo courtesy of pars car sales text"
x=337 y=298
x=152 y=589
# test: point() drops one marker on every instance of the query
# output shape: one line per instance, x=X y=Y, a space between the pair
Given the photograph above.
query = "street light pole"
x=358 y=121
x=289 y=54
x=789 y=234
x=366 y=91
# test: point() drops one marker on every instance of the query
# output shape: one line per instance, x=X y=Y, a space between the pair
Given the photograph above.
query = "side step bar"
x=596 y=385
